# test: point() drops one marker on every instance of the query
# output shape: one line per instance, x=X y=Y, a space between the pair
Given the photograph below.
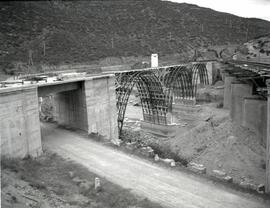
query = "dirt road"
x=166 y=187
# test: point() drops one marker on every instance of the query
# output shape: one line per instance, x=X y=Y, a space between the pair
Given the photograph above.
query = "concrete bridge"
x=97 y=104
x=86 y=103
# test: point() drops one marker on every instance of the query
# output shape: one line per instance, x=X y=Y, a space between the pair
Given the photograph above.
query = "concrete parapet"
x=19 y=122
x=255 y=116
x=238 y=92
x=228 y=92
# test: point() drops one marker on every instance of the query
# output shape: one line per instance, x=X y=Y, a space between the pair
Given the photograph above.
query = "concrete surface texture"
x=101 y=107
x=86 y=104
x=91 y=107
x=158 y=129
x=165 y=186
x=19 y=122
x=70 y=109
x=255 y=117
x=238 y=92
x=228 y=92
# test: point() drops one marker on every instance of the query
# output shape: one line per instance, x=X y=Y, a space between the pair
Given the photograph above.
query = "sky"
x=243 y=8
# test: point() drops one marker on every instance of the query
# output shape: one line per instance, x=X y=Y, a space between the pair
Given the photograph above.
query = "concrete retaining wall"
x=19 y=122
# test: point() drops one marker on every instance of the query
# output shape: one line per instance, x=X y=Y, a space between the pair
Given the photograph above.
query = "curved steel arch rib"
x=199 y=74
x=158 y=88
x=178 y=82
x=153 y=99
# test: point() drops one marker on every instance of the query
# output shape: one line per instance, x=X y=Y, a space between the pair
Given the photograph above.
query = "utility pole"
x=202 y=28
x=44 y=48
x=112 y=42
x=30 y=57
x=170 y=35
x=247 y=31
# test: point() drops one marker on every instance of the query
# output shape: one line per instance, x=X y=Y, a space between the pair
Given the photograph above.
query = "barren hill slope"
x=54 y=32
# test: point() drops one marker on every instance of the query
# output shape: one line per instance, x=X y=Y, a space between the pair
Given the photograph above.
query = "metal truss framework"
x=158 y=88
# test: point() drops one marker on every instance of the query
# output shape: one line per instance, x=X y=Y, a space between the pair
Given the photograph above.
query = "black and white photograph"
x=135 y=104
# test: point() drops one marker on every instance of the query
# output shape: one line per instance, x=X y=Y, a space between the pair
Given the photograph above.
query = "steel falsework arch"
x=152 y=96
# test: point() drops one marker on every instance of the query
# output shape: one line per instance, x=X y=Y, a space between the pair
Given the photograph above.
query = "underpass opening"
x=64 y=105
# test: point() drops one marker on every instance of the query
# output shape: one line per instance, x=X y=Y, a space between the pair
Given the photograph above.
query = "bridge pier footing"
x=160 y=130
x=238 y=92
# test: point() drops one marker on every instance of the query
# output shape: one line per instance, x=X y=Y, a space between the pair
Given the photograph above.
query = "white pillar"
x=209 y=67
x=154 y=60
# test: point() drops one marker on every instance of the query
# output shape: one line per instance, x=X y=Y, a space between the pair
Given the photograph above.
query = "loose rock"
x=198 y=168
x=71 y=174
x=219 y=174
x=156 y=158
x=261 y=189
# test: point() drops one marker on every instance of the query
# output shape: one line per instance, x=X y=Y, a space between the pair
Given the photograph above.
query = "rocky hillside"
x=62 y=32
x=257 y=49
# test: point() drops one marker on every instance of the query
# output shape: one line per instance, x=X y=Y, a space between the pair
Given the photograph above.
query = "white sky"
x=243 y=8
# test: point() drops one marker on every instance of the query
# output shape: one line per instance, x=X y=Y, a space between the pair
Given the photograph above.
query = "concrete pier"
x=228 y=92
x=19 y=122
x=255 y=116
x=101 y=107
x=238 y=93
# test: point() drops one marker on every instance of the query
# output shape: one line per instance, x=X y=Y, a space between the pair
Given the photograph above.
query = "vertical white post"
x=209 y=67
x=154 y=60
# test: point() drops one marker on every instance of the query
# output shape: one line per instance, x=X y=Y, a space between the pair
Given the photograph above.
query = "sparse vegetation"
x=50 y=173
x=58 y=32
